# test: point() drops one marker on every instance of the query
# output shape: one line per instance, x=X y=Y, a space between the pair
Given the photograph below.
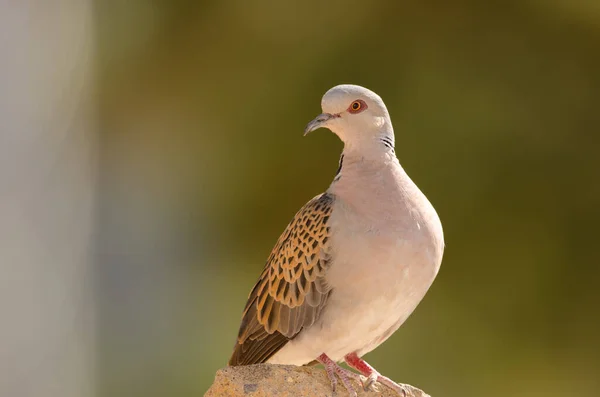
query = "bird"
x=353 y=263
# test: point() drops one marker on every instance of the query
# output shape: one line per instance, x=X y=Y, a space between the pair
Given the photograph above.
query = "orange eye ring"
x=357 y=106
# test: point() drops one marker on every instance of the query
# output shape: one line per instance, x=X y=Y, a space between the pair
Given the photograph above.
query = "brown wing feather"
x=292 y=290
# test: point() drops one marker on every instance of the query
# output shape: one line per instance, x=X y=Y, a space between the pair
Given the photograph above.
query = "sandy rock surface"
x=265 y=380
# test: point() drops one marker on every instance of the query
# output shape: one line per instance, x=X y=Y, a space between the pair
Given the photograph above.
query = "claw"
x=371 y=377
x=333 y=369
x=400 y=388
x=370 y=383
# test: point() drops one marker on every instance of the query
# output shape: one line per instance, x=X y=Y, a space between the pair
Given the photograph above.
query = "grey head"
x=357 y=116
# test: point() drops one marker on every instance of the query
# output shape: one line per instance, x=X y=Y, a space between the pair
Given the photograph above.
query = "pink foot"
x=373 y=376
x=333 y=369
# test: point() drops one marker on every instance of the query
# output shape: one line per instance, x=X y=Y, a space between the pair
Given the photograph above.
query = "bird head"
x=356 y=115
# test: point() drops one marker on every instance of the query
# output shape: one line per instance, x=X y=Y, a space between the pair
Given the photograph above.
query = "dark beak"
x=318 y=122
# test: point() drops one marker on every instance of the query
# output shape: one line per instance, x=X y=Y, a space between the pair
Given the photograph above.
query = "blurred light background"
x=151 y=153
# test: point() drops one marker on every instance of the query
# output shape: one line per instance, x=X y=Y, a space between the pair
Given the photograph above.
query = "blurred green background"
x=496 y=109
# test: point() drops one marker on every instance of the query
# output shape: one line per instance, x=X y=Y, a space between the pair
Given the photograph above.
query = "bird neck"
x=376 y=149
x=366 y=161
x=368 y=153
x=369 y=177
x=368 y=142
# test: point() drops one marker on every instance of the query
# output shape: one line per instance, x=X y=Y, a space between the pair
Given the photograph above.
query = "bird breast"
x=387 y=239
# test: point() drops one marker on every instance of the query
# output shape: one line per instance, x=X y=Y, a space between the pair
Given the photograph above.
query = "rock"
x=266 y=380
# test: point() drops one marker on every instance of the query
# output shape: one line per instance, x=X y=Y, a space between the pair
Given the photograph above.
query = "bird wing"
x=292 y=289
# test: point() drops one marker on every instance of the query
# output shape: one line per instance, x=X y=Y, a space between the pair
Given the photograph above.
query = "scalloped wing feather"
x=292 y=289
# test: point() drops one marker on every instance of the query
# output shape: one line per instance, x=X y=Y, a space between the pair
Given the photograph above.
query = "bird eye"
x=357 y=106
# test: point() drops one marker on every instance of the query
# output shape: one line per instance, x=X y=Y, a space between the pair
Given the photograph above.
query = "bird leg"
x=333 y=369
x=373 y=376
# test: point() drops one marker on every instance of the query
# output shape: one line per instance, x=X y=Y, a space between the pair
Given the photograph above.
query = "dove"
x=353 y=263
